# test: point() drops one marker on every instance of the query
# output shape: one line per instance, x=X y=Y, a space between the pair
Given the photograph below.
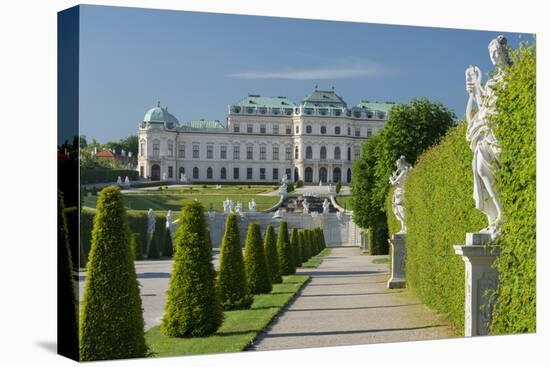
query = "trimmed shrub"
x=112 y=319
x=301 y=247
x=338 y=187
x=307 y=246
x=193 y=305
x=271 y=256
x=234 y=292
x=515 y=128
x=295 y=244
x=255 y=265
x=284 y=250
x=67 y=309
x=138 y=251
x=440 y=211
x=101 y=175
x=299 y=184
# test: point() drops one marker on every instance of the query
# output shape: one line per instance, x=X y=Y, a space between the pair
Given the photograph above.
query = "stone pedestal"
x=480 y=277
x=398 y=252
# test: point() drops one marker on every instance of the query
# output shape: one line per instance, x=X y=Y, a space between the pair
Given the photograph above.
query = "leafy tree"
x=294 y=243
x=193 y=307
x=231 y=283
x=67 y=309
x=257 y=273
x=284 y=250
x=271 y=256
x=112 y=319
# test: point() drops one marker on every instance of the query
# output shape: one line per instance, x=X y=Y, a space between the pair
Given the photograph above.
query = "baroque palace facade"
x=264 y=140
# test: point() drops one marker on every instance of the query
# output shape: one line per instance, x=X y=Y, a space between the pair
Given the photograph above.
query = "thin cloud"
x=338 y=70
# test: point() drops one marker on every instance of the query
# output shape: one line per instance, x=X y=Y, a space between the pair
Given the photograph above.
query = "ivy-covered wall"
x=440 y=210
x=515 y=128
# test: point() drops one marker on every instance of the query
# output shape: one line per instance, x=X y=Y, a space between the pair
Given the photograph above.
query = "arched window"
x=337 y=130
x=308 y=174
x=323 y=177
x=223 y=173
x=308 y=129
x=336 y=174
x=349 y=175
x=309 y=153
x=337 y=154
x=155 y=172
x=209 y=172
x=323 y=153
x=296 y=175
x=323 y=129
x=195 y=172
x=349 y=154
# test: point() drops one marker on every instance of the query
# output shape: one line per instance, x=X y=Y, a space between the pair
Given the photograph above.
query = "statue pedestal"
x=479 y=278
x=398 y=250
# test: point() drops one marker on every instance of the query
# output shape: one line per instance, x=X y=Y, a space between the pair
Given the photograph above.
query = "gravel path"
x=347 y=303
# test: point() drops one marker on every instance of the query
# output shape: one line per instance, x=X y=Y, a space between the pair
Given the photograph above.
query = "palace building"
x=264 y=139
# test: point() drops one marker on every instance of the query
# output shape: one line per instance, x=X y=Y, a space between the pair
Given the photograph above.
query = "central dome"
x=159 y=115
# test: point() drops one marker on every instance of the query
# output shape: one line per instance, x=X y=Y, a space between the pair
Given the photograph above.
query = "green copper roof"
x=323 y=98
x=160 y=115
x=204 y=124
x=376 y=106
x=255 y=100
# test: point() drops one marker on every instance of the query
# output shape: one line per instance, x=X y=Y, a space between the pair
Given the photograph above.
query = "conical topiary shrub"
x=294 y=245
x=284 y=251
x=307 y=244
x=255 y=265
x=112 y=319
x=234 y=293
x=193 y=305
x=271 y=256
x=301 y=247
x=67 y=309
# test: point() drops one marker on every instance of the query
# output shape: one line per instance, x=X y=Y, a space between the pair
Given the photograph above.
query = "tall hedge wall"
x=515 y=128
x=440 y=210
x=103 y=175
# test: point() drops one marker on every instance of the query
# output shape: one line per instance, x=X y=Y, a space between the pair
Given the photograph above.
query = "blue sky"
x=198 y=63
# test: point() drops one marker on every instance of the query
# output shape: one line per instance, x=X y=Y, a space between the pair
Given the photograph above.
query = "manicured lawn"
x=238 y=329
x=174 y=198
x=316 y=261
x=344 y=201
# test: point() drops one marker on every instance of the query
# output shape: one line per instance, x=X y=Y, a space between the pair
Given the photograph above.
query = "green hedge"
x=515 y=128
x=96 y=175
x=440 y=211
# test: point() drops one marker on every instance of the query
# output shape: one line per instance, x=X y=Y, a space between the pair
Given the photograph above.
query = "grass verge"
x=316 y=261
x=239 y=328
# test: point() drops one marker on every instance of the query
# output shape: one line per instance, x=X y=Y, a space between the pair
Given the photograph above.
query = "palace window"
x=357 y=131
x=236 y=128
x=249 y=128
x=262 y=173
x=337 y=155
x=262 y=129
x=349 y=130
x=288 y=153
x=223 y=173
x=249 y=173
x=170 y=171
x=296 y=152
x=356 y=152
x=196 y=151
x=323 y=129
x=262 y=152
x=236 y=173
x=309 y=153
x=308 y=129
x=275 y=152
x=236 y=152
x=223 y=152
x=170 y=149
x=181 y=150
x=297 y=129
x=275 y=174
x=209 y=151
x=276 y=129
x=288 y=172
x=209 y=173
x=349 y=154
x=288 y=130
x=337 y=130
x=142 y=148
x=323 y=153
x=369 y=132
x=156 y=148
x=195 y=172
x=249 y=152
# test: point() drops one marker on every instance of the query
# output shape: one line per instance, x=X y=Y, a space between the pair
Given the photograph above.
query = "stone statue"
x=326 y=206
x=339 y=215
x=119 y=181
x=397 y=179
x=277 y=214
x=164 y=176
x=252 y=206
x=169 y=222
x=305 y=204
x=479 y=135
x=127 y=182
x=320 y=182
x=283 y=189
x=227 y=206
x=151 y=220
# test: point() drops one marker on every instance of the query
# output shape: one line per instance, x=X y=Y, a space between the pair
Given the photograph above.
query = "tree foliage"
x=111 y=319
x=193 y=306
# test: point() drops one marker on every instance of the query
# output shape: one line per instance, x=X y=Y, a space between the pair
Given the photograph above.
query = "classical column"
x=480 y=278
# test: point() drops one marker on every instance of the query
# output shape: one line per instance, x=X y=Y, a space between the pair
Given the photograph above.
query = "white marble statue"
x=218 y=187
x=119 y=181
x=326 y=206
x=320 y=183
x=123 y=153
x=164 y=176
x=169 y=221
x=339 y=215
x=239 y=208
x=252 y=206
x=277 y=214
x=397 y=179
x=130 y=154
x=127 y=182
x=227 y=206
x=305 y=204
x=283 y=189
x=484 y=145
x=151 y=220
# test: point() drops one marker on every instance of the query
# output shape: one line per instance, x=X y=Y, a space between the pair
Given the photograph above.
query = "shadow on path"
x=345 y=332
